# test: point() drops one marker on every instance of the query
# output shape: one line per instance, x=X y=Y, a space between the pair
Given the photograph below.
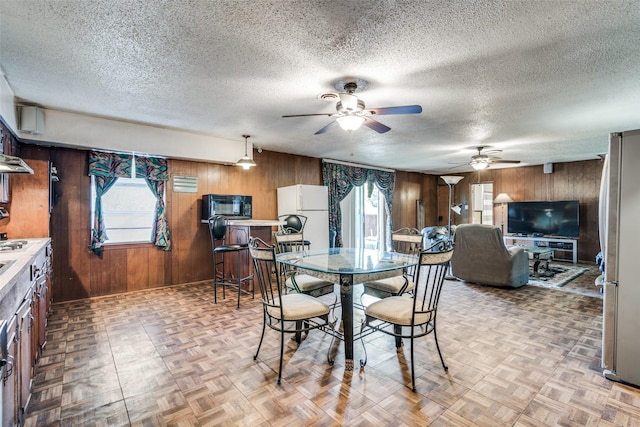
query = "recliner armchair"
x=480 y=256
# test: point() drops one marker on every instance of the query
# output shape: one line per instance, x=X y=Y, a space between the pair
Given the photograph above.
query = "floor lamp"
x=450 y=180
x=502 y=199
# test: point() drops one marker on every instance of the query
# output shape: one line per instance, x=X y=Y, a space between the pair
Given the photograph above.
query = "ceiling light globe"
x=350 y=123
x=479 y=165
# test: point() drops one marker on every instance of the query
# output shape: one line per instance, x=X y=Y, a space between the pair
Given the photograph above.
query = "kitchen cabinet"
x=240 y=234
x=9 y=379
x=24 y=303
x=41 y=279
x=23 y=363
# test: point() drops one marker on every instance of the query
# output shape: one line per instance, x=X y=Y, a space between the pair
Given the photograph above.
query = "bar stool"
x=221 y=252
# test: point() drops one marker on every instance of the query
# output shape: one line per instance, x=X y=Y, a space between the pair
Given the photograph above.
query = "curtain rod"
x=358 y=165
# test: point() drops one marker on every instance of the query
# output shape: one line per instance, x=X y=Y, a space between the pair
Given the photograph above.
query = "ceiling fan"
x=351 y=113
x=483 y=159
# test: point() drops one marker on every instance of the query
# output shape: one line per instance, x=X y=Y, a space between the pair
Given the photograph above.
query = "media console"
x=562 y=244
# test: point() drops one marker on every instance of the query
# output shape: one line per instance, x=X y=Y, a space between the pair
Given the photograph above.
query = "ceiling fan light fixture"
x=246 y=162
x=350 y=122
x=479 y=165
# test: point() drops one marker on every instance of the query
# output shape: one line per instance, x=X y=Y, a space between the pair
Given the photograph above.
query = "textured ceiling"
x=544 y=81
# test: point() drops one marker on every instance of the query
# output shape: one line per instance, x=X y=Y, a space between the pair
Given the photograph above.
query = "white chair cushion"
x=299 y=307
x=306 y=283
x=396 y=310
x=393 y=285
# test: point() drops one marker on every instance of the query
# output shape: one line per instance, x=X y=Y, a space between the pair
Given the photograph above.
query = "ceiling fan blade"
x=404 y=109
x=377 y=126
x=326 y=128
x=505 y=161
x=308 y=115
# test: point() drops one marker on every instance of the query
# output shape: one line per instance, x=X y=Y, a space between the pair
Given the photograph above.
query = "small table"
x=346 y=267
x=537 y=254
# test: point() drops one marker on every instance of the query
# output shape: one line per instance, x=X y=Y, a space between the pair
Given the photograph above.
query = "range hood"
x=12 y=164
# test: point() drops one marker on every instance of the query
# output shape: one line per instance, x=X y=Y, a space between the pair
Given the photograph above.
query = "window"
x=128 y=210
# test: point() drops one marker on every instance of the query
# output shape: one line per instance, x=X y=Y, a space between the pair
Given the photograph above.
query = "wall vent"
x=185 y=184
x=31 y=120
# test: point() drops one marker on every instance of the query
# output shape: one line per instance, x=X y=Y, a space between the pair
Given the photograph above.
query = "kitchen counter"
x=252 y=222
x=16 y=264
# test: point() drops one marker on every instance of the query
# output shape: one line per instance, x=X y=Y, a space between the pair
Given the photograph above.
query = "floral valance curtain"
x=340 y=179
x=106 y=168
x=154 y=171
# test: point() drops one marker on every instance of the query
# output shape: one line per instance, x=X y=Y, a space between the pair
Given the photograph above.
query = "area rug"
x=561 y=275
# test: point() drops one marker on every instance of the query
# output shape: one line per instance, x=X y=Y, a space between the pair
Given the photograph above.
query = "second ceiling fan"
x=351 y=113
x=482 y=160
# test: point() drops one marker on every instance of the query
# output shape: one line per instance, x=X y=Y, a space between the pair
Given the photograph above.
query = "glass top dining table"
x=346 y=267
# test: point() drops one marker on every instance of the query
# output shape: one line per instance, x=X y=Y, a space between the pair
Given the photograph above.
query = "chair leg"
x=413 y=374
x=215 y=280
x=363 y=362
x=397 y=329
x=264 y=326
x=239 y=279
x=435 y=336
x=281 y=350
x=330 y=360
x=299 y=334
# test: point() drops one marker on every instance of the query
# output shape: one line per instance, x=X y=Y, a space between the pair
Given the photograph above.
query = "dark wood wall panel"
x=407 y=192
x=78 y=273
x=569 y=181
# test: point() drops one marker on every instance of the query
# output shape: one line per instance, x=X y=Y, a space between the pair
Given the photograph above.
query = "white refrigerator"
x=619 y=237
x=311 y=201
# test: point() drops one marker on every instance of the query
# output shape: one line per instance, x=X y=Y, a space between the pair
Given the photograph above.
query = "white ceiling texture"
x=543 y=81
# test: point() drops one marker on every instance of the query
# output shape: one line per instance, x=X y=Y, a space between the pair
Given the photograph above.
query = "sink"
x=4 y=265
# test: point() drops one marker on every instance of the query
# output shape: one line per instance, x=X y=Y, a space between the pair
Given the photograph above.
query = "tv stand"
x=562 y=244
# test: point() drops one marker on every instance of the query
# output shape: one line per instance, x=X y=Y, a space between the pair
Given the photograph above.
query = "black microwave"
x=230 y=206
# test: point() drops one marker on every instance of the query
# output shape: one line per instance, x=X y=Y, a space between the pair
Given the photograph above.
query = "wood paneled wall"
x=569 y=181
x=411 y=187
x=78 y=273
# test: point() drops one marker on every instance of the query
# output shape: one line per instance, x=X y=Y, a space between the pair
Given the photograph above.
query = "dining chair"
x=411 y=316
x=294 y=223
x=286 y=313
x=301 y=283
x=223 y=273
x=407 y=241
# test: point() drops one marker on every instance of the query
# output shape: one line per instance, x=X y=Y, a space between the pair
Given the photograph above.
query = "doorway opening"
x=482 y=203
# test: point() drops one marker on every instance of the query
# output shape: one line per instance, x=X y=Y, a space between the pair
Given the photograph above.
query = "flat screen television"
x=557 y=218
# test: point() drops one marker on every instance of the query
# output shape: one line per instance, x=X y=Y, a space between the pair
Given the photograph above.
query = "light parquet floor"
x=169 y=356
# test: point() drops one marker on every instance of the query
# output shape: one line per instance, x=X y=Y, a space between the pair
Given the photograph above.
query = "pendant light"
x=246 y=162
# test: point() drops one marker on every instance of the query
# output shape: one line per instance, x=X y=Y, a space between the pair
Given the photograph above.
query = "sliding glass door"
x=364 y=218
